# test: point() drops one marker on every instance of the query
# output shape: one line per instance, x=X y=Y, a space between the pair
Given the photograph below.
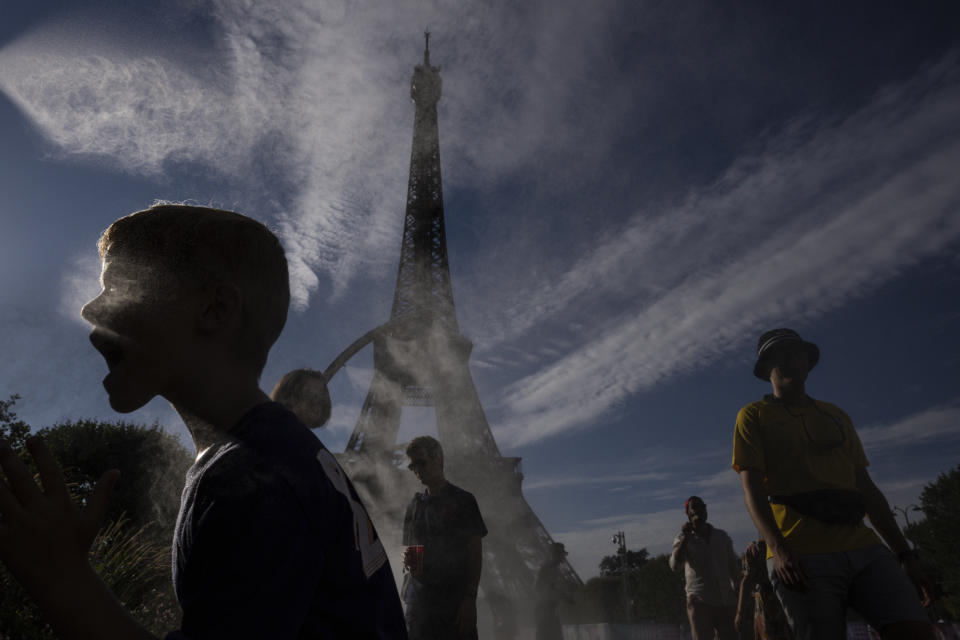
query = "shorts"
x=869 y=580
x=435 y=619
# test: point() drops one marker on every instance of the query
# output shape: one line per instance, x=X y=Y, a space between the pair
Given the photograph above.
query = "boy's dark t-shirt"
x=273 y=542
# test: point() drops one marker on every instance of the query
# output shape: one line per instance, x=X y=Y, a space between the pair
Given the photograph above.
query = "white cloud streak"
x=821 y=215
x=557 y=482
x=936 y=424
x=311 y=99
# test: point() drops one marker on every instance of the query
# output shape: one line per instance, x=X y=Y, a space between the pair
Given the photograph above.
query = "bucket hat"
x=780 y=338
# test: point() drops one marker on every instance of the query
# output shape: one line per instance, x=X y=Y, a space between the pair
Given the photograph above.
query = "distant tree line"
x=631 y=587
x=935 y=538
x=132 y=551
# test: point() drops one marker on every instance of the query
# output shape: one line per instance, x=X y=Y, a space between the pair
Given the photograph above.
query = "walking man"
x=442 y=530
x=710 y=567
x=549 y=592
x=806 y=486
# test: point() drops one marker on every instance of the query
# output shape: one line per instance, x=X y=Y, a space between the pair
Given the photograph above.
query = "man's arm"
x=752 y=559
x=744 y=603
x=45 y=540
x=468 y=608
x=881 y=517
x=785 y=562
x=679 y=554
x=733 y=562
x=474 y=564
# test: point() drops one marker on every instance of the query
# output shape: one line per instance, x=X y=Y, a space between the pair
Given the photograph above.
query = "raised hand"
x=44 y=534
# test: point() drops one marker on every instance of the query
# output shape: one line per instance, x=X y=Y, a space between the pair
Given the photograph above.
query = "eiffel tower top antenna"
x=423 y=293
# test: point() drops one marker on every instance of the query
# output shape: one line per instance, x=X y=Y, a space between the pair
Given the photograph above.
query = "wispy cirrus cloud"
x=816 y=217
x=305 y=109
x=935 y=424
x=557 y=482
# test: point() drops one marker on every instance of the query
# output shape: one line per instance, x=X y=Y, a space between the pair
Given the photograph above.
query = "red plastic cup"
x=413 y=559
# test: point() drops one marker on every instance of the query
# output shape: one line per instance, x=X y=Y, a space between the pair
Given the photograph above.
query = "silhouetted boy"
x=445 y=521
x=549 y=590
x=271 y=540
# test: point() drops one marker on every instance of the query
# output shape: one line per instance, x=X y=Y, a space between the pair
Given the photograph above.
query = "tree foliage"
x=132 y=551
x=132 y=563
x=628 y=562
x=136 y=568
x=648 y=590
x=12 y=429
x=152 y=466
x=599 y=599
x=658 y=592
x=935 y=537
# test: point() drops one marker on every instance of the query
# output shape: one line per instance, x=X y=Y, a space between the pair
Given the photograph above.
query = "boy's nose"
x=93 y=310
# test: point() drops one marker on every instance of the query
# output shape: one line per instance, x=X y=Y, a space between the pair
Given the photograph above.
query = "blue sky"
x=634 y=192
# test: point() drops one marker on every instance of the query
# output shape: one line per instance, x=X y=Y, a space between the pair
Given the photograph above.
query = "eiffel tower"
x=421 y=359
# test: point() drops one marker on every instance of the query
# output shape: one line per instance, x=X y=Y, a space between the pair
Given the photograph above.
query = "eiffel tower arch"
x=421 y=359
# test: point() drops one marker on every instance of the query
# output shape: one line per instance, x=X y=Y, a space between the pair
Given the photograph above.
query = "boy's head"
x=154 y=260
x=426 y=459
x=781 y=348
x=305 y=393
x=696 y=509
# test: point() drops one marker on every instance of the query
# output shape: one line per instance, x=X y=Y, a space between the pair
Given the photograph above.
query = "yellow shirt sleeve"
x=748 y=440
x=854 y=446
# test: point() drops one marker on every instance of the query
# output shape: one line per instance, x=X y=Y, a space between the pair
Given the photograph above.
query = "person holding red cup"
x=443 y=553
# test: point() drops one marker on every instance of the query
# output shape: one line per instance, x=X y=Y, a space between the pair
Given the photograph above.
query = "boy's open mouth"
x=110 y=349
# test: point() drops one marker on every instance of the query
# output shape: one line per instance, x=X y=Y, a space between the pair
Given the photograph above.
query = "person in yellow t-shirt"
x=807 y=489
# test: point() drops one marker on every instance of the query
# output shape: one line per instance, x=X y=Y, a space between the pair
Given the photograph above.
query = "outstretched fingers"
x=98 y=503
x=20 y=481
x=9 y=507
x=23 y=501
x=54 y=485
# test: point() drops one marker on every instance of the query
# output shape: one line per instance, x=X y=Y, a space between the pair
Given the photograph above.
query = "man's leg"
x=883 y=594
x=416 y=622
x=723 y=622
x=424 y=623
x=434 y=617
x=701 y=618
x=820 y=612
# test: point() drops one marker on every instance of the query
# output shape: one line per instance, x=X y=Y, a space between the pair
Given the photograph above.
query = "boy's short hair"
x=426 y=444
x=203 y=246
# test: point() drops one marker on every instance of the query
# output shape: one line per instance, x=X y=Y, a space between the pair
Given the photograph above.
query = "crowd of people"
x=272 y=540
x=807 y=489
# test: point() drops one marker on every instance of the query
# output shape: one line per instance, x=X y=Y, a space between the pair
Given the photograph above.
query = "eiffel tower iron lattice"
x=421 y=359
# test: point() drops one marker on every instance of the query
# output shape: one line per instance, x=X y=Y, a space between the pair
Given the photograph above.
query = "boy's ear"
x=221 y=306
